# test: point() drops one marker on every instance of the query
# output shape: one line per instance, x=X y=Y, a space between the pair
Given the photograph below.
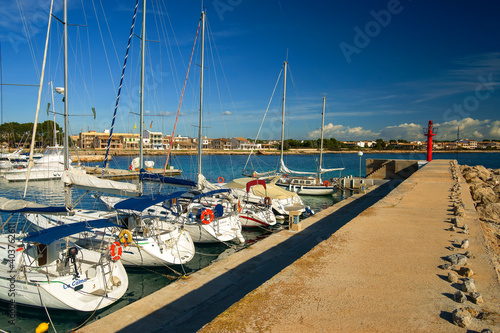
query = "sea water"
x=144 y=281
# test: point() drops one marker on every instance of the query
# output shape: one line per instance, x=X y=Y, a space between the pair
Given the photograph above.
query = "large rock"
x=483 y=194
x=457 y=259
x=461 y=317
x=482 y=173
x=490 y=212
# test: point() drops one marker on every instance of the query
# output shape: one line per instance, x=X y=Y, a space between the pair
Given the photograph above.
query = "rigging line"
x=210 y=40
x=45 y=307
x=264 y=118
x=173 y=67
x=104 y=46
x=228 y=90
x=180 y=102
x=27 y=35
x=114 y=49
x=90 y=54
x=30 y=160
x=75 y=52
x=298 y=100
x=119 y=88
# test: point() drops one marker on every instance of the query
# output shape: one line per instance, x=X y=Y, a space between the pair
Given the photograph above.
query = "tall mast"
x=283 y=115
x=200 y=129
x=321 y=149
x=67 y=189
x=54 y=110
x=141 y=93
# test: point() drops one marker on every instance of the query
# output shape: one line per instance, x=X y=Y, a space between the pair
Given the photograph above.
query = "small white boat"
x=149 y=241
x=43 y=269
x=282 y=201
x=185 y=210
x=49 y=167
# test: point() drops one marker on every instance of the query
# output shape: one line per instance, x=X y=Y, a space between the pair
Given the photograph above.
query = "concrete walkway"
x=379 y=272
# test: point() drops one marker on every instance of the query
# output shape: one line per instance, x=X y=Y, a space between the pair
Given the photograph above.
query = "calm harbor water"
x=145 y=281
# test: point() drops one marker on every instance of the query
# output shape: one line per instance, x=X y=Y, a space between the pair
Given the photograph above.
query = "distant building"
x=467 y=144
x=243 y=144
x=221 y=144
x=154 y=139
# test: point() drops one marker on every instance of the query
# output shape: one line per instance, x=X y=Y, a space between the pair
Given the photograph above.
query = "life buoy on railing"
x=239 y=206
x=326 y=183
x=124 y=236
x=116 y=251
x=220 y=180
x=267 y=201
x=286 y=176
x=207 y=216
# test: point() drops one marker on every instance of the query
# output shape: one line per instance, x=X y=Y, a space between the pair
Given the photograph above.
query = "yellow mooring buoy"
x=42 y=328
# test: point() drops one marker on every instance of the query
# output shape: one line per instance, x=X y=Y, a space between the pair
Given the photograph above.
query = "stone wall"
x=390 y=169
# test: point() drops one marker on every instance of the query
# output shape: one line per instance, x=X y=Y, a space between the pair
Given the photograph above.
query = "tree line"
x=13 y=134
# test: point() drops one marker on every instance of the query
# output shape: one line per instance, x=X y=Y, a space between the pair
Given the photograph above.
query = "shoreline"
x=272 y=152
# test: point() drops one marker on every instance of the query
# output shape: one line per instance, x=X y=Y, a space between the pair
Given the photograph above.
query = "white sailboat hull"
x=100 y=282
x=169 y=246
x=309 y=189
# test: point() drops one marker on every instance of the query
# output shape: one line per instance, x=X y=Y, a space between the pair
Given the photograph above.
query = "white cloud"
x=469 y=128
x=474 y=129
x=341 y=132
x=227 y=113
x=403 y=131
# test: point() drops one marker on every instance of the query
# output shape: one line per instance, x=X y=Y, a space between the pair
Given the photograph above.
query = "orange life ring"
x=239 y=206
x=326 y=183
x=204 y=214
x=286 y=176
x=116 y=251
x=220 y=180
x=267 y=201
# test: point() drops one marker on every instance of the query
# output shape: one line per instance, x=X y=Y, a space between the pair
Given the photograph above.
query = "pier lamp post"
x=360 y=154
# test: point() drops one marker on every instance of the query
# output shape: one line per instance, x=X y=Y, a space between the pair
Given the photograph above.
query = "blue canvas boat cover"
x=47 y=236
x=154 y=177
x=207 y=194
x=145 y=201
x=23 y=206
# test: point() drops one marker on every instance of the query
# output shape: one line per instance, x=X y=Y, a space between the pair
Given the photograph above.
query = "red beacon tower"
x=428 y=133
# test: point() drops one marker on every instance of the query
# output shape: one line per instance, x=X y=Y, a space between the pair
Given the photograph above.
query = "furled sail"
x=321 y=170
x=285 y=169
x=24 y=206
x=92 y=183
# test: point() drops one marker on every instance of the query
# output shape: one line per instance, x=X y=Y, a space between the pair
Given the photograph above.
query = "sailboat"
x=45 y=269
x=282 y=201
x=307 y=185
x=147 y=240
x=189 y=208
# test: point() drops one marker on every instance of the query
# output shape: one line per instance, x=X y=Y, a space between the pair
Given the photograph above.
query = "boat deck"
x=120 y=174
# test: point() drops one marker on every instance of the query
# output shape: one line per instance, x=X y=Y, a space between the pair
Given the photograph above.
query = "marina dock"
x=120 y=174
x=370 y=263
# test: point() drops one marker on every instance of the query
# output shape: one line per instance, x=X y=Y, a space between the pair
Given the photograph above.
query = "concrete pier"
x=367 y=264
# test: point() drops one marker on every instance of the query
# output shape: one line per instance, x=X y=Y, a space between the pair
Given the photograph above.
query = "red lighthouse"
x=428 y=133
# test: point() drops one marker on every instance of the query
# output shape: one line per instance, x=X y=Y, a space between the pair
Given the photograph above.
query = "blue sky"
x=385 y=67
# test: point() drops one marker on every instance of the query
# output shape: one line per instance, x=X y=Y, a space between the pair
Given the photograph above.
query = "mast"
x=141 y=94
x=54 y=110
x=67 y=190
x=321 y=149
x=283 y=115
x=200 y=129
